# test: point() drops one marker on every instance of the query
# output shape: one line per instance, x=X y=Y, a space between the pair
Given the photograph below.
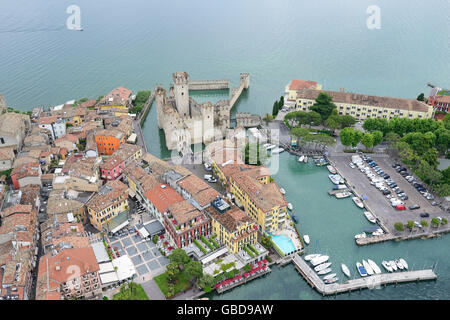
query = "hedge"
x=202 y=249
x=253 y=249
x=249 y=252
x=205 y=241
x=214 y=242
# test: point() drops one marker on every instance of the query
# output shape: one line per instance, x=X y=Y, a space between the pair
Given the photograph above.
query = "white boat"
x=329 y=276
x=328 y=281
x=277 y=150
x=362 y=271
x=290 y=206
x=271 y=146
x=324 y=271
x=345 y=270
x=361 y=236
x=393 y=265
x=306 y=238
x=399 y=264
x=370 y=217
x=405 y=265
x=336 y=178
x=319 y=260
x=306 y=159
x=378 y=232
x=309 y=257
x=387 y=265
x=374 y=266
x=282 y=191
x=322 y=266
x=358 y=202
x=331 y=169
x=301 y=158
x=368 y=268
x=344 y=194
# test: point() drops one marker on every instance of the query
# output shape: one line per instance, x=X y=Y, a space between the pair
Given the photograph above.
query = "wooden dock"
x=369 y=282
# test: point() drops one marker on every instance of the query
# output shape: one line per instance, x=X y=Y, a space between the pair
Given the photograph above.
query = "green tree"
x=421 y=97
x=377 y=137
x=346 y=136
x=368 y=140
x=179 y=257
x=424 y=223
x=324 y=105
x=442 y=140
x=172 y=271
x=333 y=123
x=193 y=270
x=444 y=221
x=446 y=121
x=275 y=109
x=410 y=224
x=435 y=222
x=357 y=136
x=347 y=121
x=399 y=226
x=206 y=281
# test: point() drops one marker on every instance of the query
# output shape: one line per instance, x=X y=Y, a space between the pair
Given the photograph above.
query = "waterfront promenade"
x=369 y=282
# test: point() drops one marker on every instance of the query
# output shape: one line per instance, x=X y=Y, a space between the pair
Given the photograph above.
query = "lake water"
x=138 y=44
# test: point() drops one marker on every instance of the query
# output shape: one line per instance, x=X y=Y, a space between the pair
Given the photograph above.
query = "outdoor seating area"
x=245 y=257
x=230 y=259
x=259 y=268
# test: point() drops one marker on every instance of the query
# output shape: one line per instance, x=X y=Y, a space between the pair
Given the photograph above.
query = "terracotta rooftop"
x=302 y=84
x=162 y=196
x=192 y=184
x=231 y=219
x=111 y=163
x=183 y=211
x=110 y=193
x=127 y=150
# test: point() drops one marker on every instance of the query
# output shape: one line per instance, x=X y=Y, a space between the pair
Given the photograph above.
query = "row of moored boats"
x=322 y=267
x=369 y=267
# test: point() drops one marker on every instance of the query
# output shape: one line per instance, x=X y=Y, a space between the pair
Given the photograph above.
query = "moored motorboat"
x=345 y=270
x=331 y=169
x=329 y=281
x=306 y=238
x=344 y=194
x=358 y=202
x=324 y=271
x=362 y=271
x=361 y=235
x=370 y=217
x=336 y=178
x=319 y=260
x=368 y=268
x=393 y=265
x=282 y=191
x=290 y=206
x=405 y=265
x=309 y=257
x=399 y=264
x=322 y=266
x=387 y=265
x=378 y=232
x=306 y=159
x=277 y=150
x=374 y=266
x=301 y=158
x=329 y=276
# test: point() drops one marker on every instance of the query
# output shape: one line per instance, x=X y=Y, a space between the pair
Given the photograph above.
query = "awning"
x=143 y=233
x=122 y=225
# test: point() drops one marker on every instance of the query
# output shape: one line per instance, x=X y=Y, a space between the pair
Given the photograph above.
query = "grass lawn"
x=140 y=294
x=182 y=283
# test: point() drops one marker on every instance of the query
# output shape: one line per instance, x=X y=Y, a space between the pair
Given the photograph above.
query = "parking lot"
x=145 y=256
x=378 y=203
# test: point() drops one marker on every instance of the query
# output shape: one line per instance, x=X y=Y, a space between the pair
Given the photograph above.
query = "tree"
x=435 y=222
x=206 y=281
x=281 y=103
x=421 y=97
x=194 y=270
x=172 y=271
x=324 y=105
x=410 y=224
x=357 y=136
x=347 y=121
x=179 y=257
x=392 y=138
x=446 y=121
x=377 y=137
x=346 y=136
x=299 y=132
x=444 y=221
x=332 y=122
x=266 y=241
x=442 y=140
x=368 y=140
x=399 y=226
x=254 y=154
x=275 y=109
x=267 y=118
x=424 y=223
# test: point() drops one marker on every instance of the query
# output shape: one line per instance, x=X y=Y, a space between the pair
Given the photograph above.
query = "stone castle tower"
x=181 y=92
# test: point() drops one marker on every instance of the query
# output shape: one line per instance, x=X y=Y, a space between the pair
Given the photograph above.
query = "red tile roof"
x=302 y=84
x=162 y=198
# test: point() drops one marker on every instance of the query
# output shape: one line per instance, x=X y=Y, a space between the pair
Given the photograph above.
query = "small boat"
x=362 y=271
x=371 y=229
x=282 y=191
x=399 y=264
x=358 y=202
x=309 y=257
x=306 y=238
x=387 y=265
x=329 y=276
x=370 y=217
x=322 y=266
x=361 y=236
x=368 y=268
x=336 y=178
x=374 y=266
x=344 y=194
x=324 y=271
x=339 y=187
x=290 y=206
x=405 y=265
x=271 y=146
x=328 y=281
x=277 y=150
x=301 y=158
x=319 y=260
x=306 y=159
x=345 y=270
x=378 y=232
x=331 y=169
x=393 y=265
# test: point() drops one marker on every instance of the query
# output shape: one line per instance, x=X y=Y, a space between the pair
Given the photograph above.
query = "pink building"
x=112 y=168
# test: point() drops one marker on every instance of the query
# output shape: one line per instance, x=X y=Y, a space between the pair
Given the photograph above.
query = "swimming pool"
x=283 y=242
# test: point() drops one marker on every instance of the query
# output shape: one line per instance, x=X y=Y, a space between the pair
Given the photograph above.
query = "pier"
x=368 y=282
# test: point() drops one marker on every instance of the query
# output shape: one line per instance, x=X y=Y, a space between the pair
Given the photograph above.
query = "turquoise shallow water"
x=331 y=224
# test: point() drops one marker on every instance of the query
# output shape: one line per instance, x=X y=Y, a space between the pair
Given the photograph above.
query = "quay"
x=368 y=282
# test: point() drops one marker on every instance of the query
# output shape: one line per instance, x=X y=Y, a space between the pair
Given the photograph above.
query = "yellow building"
x=255 y=190
x=295 y=85
x=108 y=203
x=362 y=106
x=233 y=227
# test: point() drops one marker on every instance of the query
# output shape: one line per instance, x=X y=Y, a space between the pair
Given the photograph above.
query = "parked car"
x=417 y=224
x=414 y=207
x=400 y=207
x=424 y=215
x=404 y=173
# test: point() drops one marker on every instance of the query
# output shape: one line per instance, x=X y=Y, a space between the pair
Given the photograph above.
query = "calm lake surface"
x=138 y=44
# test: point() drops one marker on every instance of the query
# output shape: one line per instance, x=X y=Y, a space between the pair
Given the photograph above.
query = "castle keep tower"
x=181 y=92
